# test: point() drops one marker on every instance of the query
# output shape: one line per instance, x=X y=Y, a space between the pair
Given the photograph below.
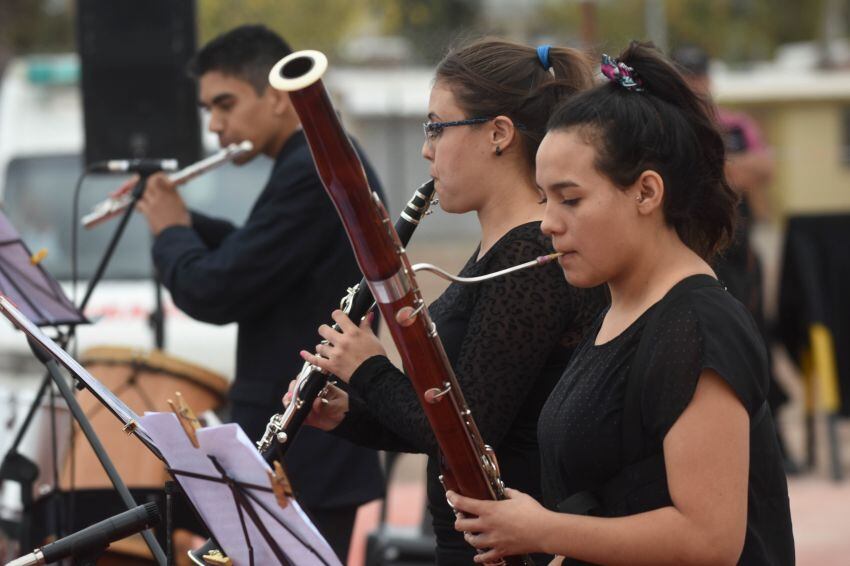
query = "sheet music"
x=215 y=502
x=124 y=413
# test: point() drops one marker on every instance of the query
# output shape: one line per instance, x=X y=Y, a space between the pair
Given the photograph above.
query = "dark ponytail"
x=491 y=77
x=665 y=127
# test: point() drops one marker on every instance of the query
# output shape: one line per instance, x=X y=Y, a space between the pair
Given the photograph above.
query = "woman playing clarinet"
x=656 y=443
x=508 y=339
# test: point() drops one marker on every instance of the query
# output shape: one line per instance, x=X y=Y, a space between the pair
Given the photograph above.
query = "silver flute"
x=116 y=203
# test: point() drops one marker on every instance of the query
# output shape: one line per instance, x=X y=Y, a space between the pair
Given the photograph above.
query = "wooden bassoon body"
x=468 y=465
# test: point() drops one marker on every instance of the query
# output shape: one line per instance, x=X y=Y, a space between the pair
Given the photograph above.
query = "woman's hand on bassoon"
x=500 y=528
x=343 y=351
x=328 y=410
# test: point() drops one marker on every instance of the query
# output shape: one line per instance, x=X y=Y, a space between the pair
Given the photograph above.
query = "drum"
x=144 y=381
x=36 y=444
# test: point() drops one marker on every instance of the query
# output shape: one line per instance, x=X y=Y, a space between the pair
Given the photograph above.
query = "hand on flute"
x=328 y=409
x=162 y=205
x=345 y=350
x=125 y=187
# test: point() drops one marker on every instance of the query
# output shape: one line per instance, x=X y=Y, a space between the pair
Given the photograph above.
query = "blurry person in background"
x=750 y=165
x=749 y=170
x=277 y=276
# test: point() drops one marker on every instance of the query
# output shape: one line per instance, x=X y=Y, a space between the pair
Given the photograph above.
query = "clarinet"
x=312 y=381
x=468 y=465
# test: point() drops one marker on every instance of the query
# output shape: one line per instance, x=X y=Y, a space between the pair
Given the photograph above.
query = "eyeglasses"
x=433 y=130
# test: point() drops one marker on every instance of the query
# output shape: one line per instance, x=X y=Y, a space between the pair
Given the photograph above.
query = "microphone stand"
x=156 y=320
x=136 y=195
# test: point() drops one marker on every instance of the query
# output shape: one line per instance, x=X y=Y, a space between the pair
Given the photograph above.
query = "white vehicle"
x=41 y=147
x=41 y=144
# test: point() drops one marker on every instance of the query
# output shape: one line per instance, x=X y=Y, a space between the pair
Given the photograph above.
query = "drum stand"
x=18 y=468
x=54 y=372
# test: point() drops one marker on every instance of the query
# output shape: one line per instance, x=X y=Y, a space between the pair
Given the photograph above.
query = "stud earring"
x=498 y=150
x=639 y=198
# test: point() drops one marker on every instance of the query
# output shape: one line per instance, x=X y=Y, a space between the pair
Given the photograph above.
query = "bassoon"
x=468 y=465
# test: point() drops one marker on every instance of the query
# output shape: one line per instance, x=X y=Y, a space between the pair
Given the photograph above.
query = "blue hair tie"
x=543 y=55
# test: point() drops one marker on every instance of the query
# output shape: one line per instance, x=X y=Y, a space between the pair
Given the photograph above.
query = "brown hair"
x=491 y=77
x=247 y=52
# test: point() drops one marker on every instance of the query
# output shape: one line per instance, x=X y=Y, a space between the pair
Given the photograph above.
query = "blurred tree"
x=733 y=30
x=30 y=26
x=306 y=24
x=615 y=23
x=742 y=30
x=430 y=25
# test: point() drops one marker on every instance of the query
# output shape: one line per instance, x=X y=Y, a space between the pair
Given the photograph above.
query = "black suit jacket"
x=279 y=277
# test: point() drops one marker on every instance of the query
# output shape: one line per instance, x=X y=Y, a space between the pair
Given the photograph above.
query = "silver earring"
x=639 y=198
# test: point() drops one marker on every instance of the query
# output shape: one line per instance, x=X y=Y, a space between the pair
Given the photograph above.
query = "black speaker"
x=138 y=100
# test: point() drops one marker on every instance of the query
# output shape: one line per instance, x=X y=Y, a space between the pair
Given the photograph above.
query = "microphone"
x=133 y=166
x=95 y=537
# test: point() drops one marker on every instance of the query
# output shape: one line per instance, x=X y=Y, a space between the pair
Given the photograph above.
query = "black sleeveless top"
x=580 y=432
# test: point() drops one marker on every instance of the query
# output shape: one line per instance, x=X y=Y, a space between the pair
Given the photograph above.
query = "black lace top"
x=580 y=430
x=508 y=341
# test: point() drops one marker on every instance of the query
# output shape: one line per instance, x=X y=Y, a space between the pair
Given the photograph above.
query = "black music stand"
x=41 y=300
x=25 y=282
x=247 y=503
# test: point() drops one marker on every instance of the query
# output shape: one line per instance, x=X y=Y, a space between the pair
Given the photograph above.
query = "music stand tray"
x=23 y=280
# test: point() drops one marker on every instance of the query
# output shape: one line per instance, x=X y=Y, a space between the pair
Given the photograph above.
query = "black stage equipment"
x=138 y=100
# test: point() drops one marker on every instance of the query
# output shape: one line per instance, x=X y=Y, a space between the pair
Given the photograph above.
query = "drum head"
x=145 y=381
